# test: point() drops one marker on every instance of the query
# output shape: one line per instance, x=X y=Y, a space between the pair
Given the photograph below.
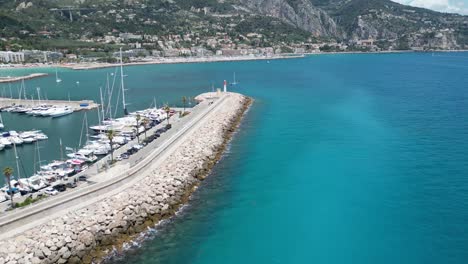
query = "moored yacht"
x=61 y=112
x=83 y=155
x=5 y=142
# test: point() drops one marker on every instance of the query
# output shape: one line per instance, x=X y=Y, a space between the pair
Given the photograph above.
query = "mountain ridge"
x=280 y=22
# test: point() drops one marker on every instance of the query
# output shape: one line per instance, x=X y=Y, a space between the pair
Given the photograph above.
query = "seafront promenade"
x=125 y=198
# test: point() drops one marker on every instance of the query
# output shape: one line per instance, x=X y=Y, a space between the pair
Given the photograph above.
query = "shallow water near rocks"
x=341 y=159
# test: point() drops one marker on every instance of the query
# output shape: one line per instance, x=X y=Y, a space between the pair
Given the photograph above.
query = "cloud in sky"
x=448 y=6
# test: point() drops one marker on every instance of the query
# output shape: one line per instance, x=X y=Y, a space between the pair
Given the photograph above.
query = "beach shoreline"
x=176 y=60
x=183 y=60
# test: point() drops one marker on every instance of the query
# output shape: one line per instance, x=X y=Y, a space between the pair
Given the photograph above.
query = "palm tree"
x=184 y=102
x=110 y=135
x=8 y=171
x=138 y=117
x=167 y=109
x=145 y=123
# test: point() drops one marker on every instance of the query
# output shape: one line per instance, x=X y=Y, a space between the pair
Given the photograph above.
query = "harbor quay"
x=75 y=105
x=21 y=78
x=81 y=225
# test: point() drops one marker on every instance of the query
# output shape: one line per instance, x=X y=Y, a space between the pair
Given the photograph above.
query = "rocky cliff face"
x=366 y=19
x=300 y=13
x=343 y=20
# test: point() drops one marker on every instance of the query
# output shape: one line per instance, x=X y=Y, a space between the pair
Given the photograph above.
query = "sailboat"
x=234 y=82
x=85 y=154
x=57 y=79
x=122 y=84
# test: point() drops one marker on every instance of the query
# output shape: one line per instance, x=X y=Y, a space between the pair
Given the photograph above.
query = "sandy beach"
x=98 y=65
x=163 y=60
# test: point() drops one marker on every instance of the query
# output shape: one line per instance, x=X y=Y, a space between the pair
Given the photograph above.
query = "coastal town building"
x=10 y=56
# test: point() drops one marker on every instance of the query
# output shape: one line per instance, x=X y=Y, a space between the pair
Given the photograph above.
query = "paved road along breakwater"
x=81 y=236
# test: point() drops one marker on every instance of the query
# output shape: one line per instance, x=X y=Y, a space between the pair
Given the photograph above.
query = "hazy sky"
x=449 y=6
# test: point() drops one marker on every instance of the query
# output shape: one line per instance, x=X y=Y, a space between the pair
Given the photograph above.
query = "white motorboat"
x=103 y=139
x=81 y=156
x=29 y=140
x=61 y=112
x=16 y=140
x=23 y=188
x=48 y=112
x=61 y=168
x=6 y=142
x=101 y=150
x=28 y=134
x=41 y=136
x=34 y=182
x=37 y=111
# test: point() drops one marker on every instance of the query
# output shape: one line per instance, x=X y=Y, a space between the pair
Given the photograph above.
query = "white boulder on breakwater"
x=80 y=236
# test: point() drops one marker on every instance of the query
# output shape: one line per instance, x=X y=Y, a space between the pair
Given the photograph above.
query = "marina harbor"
x=257 y=131
x=114 y=142
x=95 y=141
x=101 y=176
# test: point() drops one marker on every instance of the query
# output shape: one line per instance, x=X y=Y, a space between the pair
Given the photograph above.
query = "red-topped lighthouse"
x=225 y=86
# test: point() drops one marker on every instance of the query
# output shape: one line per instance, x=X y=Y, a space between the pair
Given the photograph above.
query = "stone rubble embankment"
x=83 y=236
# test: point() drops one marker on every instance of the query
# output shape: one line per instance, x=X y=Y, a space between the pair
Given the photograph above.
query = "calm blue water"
x=342 y=159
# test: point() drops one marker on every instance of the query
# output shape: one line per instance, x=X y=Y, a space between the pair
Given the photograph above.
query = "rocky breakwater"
x=84 y=235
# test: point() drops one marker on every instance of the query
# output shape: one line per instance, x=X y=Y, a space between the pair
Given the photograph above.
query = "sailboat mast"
x=17 y=164
x=122 y=84
x=24 y=90
x=87 y=128
x=20 y=91
x=39 y=94
x=61 y=149
x=38 y=154
x=102 y=103
x=81 y=134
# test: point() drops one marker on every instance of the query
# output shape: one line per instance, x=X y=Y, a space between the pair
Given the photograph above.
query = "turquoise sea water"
x=341 y=159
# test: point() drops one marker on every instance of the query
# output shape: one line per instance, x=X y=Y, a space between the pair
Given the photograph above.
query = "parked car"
x=82 y=178
x=71 y=185
x=138 y=146
x=131 y=151
x=60 y=187
x=50 y=191
x=124 y=156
